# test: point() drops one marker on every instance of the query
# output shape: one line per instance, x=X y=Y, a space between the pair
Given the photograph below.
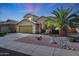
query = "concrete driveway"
x=14 y=36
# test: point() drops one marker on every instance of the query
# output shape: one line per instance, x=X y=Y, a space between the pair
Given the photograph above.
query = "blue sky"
x=16 y=11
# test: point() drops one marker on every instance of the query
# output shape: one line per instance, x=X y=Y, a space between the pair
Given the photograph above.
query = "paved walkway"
x=9 y=42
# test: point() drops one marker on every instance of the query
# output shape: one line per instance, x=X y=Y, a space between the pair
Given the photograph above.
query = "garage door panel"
x=25 y=29
x=5 y=29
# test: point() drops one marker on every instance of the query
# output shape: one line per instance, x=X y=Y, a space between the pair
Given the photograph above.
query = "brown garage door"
x=25 y=29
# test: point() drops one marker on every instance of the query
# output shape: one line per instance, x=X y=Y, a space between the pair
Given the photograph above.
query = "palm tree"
x=63 y=18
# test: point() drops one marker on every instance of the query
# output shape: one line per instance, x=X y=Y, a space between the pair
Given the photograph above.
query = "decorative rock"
x=39 y=38
x=72 y=48
x=52 y=42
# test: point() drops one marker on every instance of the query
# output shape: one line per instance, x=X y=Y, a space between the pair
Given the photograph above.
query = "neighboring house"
x=77 y=27
x=8 y=26
x=30 y=24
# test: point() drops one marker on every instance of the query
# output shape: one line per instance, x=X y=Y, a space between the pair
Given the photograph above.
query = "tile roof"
x=9 y=22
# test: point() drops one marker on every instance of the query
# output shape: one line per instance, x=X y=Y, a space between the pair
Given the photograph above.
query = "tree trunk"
x=66 y=29
x=62 y=32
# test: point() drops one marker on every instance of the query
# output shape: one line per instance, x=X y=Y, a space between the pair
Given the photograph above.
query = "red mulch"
x=33 y=40
x=75 y=46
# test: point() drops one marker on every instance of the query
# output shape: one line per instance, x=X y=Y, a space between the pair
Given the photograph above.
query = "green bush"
x=2 y=33
x=72 y=40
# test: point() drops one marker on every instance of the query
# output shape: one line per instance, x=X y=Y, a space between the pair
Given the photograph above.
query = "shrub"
x=2 y=33
x=55 y=31
x=72 y=39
